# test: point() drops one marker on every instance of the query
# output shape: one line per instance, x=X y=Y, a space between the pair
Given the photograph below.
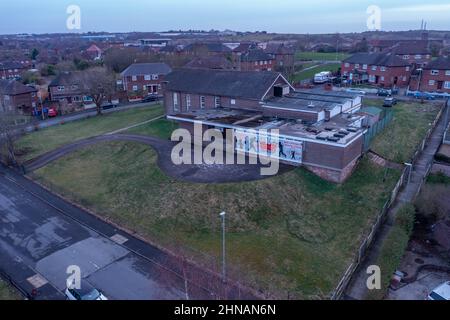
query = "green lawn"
x=161 y=128
x=45 y=140
x=7 y=292
x=399 y=140
x=320 y=56
x=309 y=74
x=293 y=232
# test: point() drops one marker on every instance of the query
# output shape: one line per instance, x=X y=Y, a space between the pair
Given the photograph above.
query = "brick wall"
x=384 y=77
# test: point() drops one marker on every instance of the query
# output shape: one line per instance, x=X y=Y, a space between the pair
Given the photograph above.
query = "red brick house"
x=16 y=96
x=416 y=53
x=12 y=70
x=381 y=69
x=257 y=60
x=284 y=56
x=66 y=88
x=93 y=52
x=433 y=77
x=142 y=79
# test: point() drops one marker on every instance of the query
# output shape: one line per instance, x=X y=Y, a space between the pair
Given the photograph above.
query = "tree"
x=34 y=54
x=97 y=83
x=8 y=134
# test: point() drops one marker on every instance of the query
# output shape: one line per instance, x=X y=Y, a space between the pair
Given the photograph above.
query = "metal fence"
x=376 y=128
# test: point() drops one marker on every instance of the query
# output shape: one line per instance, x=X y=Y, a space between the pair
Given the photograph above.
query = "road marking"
x=134 y=126
x=119 y=239
x=37 y=281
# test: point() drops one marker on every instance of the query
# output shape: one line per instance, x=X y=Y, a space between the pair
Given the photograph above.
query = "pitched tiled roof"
x=439 y=64
x=66 y=79
x=237 y=84
x=255 y=55
x=12 y=87
x=146 y=68
x=377 y=59
x=210 y=46
x=10 y=65
x=411 y=48
x=210 y=62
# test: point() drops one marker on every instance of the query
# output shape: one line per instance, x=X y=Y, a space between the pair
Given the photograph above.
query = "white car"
x=441 y=293
x=86 y=292
x=361 y=92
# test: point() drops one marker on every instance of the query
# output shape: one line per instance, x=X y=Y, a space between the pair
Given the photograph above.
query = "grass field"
x=293 y=232
x=45 y=140
x=7 y=292
x=309 y=74
x=400 y=138
x=320 y=56
x=161 y=128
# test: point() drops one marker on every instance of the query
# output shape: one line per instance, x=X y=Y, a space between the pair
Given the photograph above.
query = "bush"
x=393 y=249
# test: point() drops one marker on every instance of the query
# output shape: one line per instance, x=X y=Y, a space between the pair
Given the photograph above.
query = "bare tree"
x=9 y=121
x=99 y=84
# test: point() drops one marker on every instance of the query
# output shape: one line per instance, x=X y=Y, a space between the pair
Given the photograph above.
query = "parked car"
x=384 y=92
x=390 y=102
x=424 y=96
x=52 y=112
x=107 y=106
x=86 y=292
x=151 y=98
x=441 y=293
x=358 y=91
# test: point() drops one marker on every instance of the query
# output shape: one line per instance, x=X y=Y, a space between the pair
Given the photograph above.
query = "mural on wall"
x=267 y=144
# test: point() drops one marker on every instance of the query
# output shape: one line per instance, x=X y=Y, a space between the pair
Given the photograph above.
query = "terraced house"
x=382 y=69
x=144 y=79
x=322 y=132
x=433 y=77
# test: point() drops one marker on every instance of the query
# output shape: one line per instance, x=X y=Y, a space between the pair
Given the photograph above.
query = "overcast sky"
x=283 y=16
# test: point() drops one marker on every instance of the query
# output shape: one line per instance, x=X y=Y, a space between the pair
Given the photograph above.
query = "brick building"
x=256 y=60
x=12 y=70
x=381 y=69
x=142 y=79
x=65 y=88
x=322 y=132
x=14 y=96
x=433 y=77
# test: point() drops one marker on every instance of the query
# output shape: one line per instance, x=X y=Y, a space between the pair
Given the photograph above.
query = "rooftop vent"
x=311 y=105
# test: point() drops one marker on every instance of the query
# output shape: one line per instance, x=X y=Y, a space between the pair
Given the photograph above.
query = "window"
x=418 y=56
x=374 y=68
x=61 y=88
x=404 y=78
x=217 y=102
x=434 y=72
x=76 y=99
x=233 y=102
x=175 y=102
x=357 y=66
x=265 y=62
x=365 y=66
x=347 y=64
x=383 y=69
x=447 y=73
x=188 y=101
x=407 y=68
x=261 y=63
x=133 y=78
x=406 y=57
x=382 y=78
x=431 y=82
x=74 y=87
x=135 y=88
x=372 y=78
x=147 y=77
x=256 y=63
x=202 y=102
x=447 y=84
x=155 y=77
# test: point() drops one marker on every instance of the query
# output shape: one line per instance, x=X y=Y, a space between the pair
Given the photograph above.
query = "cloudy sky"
x=284 y=16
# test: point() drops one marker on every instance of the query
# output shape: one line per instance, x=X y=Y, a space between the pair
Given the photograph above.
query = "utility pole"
x=224 y=274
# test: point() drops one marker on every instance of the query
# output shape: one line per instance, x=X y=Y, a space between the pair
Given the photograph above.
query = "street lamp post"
x=410 y=171
x=223 y=214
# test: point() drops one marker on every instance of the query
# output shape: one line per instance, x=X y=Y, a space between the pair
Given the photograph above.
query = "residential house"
x=217 y=62
x=433 y=77
x=66 y=88
x=319 y=131
x=284 y=56
x=93 y=52
x=416 y=53
x=206 y=48
x=257 y=60
x=15 y=96
x=141 y=79
x=381 y=69
x=12 y=70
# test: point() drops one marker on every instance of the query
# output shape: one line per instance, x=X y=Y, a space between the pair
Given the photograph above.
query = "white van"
x=440 y=293
x=322 y=77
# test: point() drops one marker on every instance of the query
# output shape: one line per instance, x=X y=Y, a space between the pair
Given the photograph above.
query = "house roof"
x=278 y=48
x=13 y=87
x=146 y=68
x=411 y=48
x=377 y=59
x=210 y=46
x=10 y=65
x=94 y=48
x=244 y=47
x=65 y=79
x=237 y=84
x=255 y=55
x=210 y=62
x=441 y=63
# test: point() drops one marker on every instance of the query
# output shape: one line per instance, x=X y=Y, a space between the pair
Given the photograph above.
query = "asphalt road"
x=41 y=235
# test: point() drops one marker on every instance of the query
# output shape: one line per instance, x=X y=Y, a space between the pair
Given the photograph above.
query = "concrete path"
x=41 y=235
x=201 y=173
x=357 y=289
